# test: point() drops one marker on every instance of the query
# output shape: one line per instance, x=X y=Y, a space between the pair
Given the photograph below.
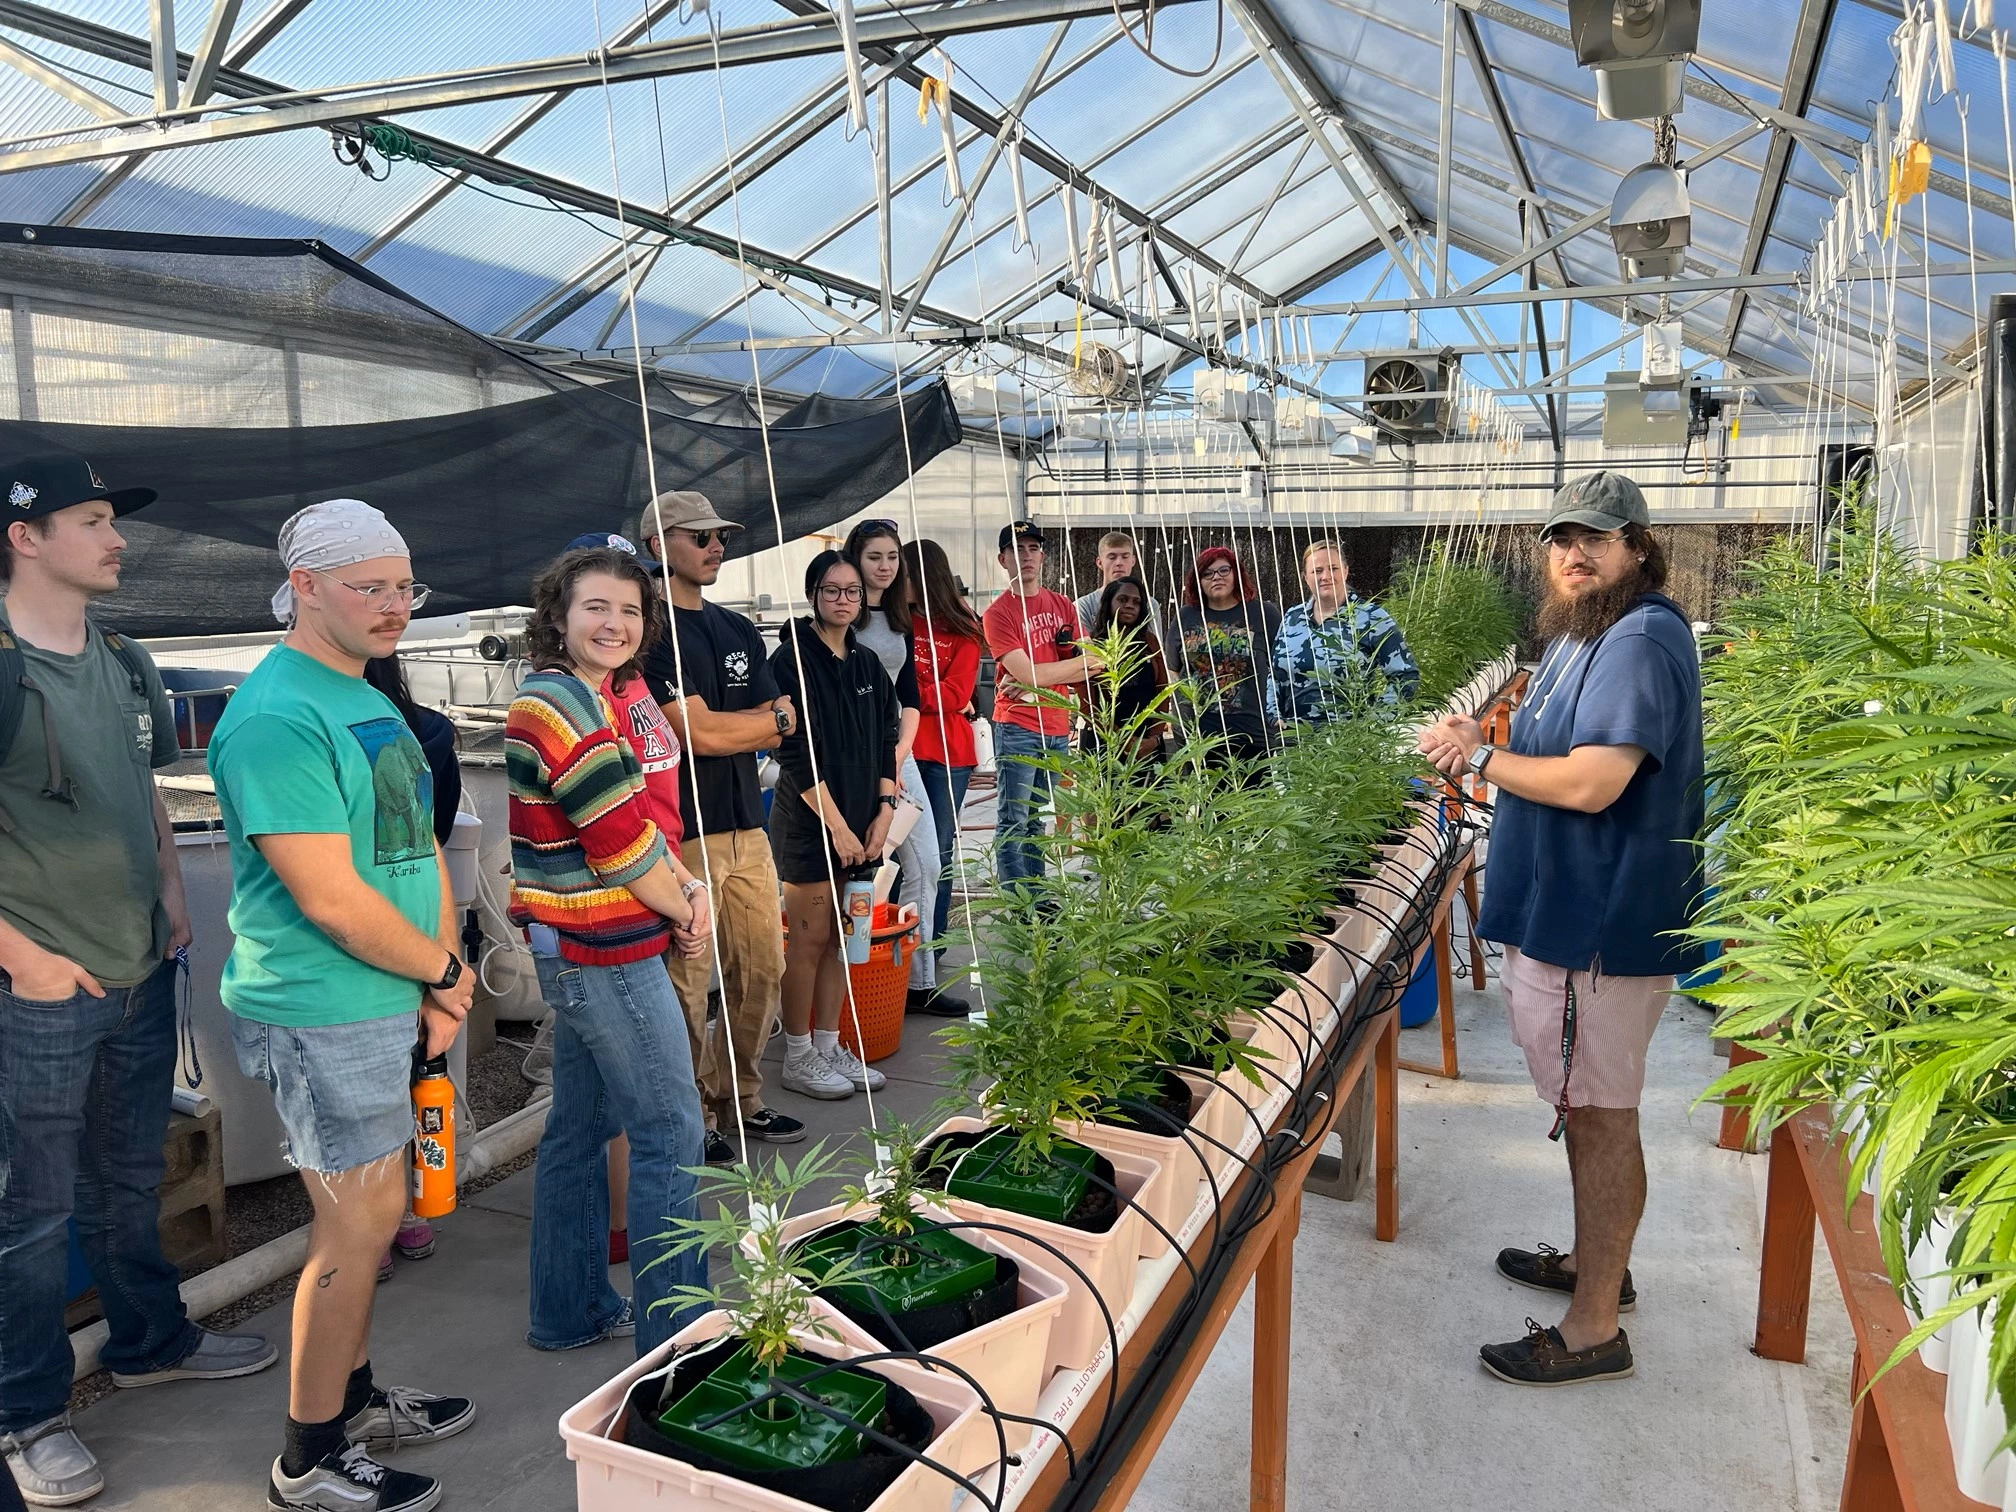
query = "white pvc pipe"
x=242 y=1275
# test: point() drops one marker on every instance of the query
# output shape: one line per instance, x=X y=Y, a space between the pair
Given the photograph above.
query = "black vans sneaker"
x=772 y=1127
x=1541 y=1270
x=350 y=1481
x=1542 y=1359
x=719 y=1151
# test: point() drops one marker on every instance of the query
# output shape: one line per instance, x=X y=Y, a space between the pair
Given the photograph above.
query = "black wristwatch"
x=889 y=799
x=1481 y=758
x=451 y=976
x=783 y=721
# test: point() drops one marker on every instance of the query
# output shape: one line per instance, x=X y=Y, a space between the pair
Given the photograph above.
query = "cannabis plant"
x=1455 y=612
x=896 y=1183
x=769 y=1294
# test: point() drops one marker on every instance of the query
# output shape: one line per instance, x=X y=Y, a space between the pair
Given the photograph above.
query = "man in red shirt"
x=1033 y=635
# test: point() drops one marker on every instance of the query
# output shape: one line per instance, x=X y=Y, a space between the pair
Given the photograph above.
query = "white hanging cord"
x=850 y=58
x=1012 y=130
x=777 y=518
x=658 y=525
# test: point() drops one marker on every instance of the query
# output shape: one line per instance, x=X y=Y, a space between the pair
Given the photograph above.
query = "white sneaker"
x=810 y=1074
x=846 y=1064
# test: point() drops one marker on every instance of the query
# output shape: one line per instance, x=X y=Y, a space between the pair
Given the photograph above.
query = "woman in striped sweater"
x=589 y=864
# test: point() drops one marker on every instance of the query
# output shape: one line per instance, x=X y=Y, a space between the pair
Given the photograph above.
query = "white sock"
x=825 y=1041
x=797 y=1046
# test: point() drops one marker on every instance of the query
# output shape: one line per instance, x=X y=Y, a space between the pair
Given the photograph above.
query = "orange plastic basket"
x=881 y=986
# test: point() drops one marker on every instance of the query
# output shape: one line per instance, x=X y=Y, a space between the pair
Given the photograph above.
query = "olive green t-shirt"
x=85 y=882
x=304 y=750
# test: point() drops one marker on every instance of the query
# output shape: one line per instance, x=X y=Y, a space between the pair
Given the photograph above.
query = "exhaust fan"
x=1403 y=390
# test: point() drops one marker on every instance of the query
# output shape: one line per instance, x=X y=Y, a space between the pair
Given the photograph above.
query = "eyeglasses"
x=850 y=594
x=386 y=599
x=1591 y=546
x=1219 y=570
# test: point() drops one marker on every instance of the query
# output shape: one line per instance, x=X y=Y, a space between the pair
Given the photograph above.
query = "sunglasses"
x=705 y=538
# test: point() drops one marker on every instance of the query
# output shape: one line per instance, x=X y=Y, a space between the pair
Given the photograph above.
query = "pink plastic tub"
x=611 y=1476
x=1108 y=1259
x=1008 y=1357
x=1170 y=1198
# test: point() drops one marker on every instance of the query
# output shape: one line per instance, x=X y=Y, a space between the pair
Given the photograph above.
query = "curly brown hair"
x=553 y=596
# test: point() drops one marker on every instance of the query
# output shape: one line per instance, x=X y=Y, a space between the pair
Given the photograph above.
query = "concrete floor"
x=1390 y=1409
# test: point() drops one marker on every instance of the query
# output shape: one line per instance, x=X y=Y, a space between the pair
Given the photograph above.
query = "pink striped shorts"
x=1614 y=1020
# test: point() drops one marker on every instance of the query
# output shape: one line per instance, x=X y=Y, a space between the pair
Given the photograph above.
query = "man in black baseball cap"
x=44 y=483
x=91 y=919
x=1019 y=531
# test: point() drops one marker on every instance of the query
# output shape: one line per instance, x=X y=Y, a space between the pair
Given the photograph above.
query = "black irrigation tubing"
x=1133 y=1104
x=1105 y=1312
x=794 y=1391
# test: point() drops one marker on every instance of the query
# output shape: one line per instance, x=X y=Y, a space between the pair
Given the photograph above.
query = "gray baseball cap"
x=1600 y=500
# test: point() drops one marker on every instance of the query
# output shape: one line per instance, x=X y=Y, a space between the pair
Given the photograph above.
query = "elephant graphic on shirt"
x=402 y=791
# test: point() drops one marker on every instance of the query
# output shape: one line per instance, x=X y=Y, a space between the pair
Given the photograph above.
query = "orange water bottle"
x=433 y=1139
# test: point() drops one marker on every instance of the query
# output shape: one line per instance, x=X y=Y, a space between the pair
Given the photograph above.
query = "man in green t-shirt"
x=345 y=953
x=91 y=917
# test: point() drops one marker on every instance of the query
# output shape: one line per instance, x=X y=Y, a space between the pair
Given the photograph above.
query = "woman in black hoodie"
x=829 y=815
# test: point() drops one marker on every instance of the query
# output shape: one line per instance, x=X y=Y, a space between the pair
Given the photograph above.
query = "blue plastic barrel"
x=1419 y=1001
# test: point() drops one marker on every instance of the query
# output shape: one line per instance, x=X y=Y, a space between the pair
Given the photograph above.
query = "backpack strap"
x=129 y=658
x=13 y=702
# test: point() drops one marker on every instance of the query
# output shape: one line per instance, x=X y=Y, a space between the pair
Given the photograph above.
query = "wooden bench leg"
x=1476 y=940
x=1785 y=1270
x=1273 y=1311
x=1445 y=1003
x=1735 y=1133
x=1386 y=1130
x=1869 y=1484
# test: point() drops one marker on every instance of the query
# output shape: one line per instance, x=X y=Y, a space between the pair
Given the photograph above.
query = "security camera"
x=1651 y=221
x=1639 y=50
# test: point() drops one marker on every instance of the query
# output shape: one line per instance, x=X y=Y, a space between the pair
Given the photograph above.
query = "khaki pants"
x=749 y=938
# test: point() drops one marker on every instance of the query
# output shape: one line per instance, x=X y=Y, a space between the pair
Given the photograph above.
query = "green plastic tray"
x=800 y=1438
x=1053 y=1189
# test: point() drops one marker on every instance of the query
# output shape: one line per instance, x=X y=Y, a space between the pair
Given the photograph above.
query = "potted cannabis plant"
x=756 y=1404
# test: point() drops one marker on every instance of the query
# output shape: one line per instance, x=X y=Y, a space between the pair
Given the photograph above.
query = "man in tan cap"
x=712 y=678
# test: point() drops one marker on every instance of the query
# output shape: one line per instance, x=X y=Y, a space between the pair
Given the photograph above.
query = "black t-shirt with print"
x=727 y=668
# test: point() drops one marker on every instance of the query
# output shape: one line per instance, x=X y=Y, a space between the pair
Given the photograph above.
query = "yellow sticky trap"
x=1910 y=176
x=1197 y=446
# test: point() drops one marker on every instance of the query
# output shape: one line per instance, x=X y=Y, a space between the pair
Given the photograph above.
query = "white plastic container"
x=1926 y=1266
x=611 y=1476
x=1170 y=1198
x=465 y=843
x=1974 y=1421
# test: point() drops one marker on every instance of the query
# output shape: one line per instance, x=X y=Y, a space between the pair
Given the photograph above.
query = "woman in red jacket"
x=949 y=640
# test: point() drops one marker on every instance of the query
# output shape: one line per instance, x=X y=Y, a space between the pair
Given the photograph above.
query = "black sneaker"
x=719 y=1151
x=936 y=1003
x=349 y=1480
x=772 y=1127
x=397 y=1415
x=1541 y=1269
x=1541 y=1359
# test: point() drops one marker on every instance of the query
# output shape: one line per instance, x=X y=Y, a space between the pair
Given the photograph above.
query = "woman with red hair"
x=1226 y=631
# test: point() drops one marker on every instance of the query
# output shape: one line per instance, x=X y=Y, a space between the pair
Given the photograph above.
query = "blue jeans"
x=946 y=787
x=84 y=1087
x=1020 y=788
x=620 y=1065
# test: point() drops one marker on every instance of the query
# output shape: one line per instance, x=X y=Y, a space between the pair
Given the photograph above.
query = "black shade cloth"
x=484 y=496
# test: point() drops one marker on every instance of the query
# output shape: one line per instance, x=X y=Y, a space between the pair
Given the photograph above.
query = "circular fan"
x=1100 y=373
x=1402 y=383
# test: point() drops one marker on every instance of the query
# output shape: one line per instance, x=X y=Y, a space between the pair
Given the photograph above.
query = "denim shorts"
x=343 y=1090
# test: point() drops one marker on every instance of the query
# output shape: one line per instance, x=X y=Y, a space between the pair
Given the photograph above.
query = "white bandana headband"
x=334 y=533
